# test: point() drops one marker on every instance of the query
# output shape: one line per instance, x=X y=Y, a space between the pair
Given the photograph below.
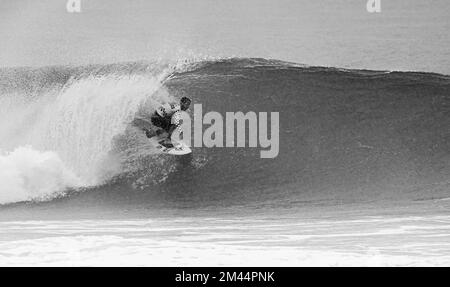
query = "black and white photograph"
x=224 y=133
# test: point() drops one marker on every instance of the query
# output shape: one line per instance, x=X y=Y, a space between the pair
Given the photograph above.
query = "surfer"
x=162 y=118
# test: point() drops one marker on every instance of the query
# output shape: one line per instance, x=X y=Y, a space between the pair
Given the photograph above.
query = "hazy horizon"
x=406 y=35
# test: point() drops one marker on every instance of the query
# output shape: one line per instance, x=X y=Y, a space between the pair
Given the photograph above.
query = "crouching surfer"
x=162 y=118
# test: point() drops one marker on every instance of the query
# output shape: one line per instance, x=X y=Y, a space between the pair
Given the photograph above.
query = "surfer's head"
x=185 y=102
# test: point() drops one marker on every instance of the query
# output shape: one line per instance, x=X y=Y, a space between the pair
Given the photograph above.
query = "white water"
x=61 y=139
x=390 y=240
x=28 y=174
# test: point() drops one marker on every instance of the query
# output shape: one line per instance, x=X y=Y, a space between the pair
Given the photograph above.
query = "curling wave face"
x=345 y=135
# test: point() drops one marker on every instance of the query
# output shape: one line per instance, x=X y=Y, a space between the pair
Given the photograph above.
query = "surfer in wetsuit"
x=162 y=117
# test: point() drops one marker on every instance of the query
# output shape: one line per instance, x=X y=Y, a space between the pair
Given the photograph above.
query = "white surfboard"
x=179 y=148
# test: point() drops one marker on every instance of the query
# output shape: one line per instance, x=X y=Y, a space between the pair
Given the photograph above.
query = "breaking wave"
x=345 y=135
x=57 y=124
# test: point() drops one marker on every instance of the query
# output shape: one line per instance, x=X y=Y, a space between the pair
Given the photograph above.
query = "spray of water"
x=63 y=138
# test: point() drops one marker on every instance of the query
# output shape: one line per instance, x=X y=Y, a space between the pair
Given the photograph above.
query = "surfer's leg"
x=157 y=121
x=161 y=122
x=164 y=124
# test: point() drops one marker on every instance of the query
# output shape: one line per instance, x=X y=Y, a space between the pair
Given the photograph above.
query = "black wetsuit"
x=161 y=122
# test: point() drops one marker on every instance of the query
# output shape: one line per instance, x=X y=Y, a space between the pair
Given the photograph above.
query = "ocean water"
x=407 y=35
x=361 y=177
